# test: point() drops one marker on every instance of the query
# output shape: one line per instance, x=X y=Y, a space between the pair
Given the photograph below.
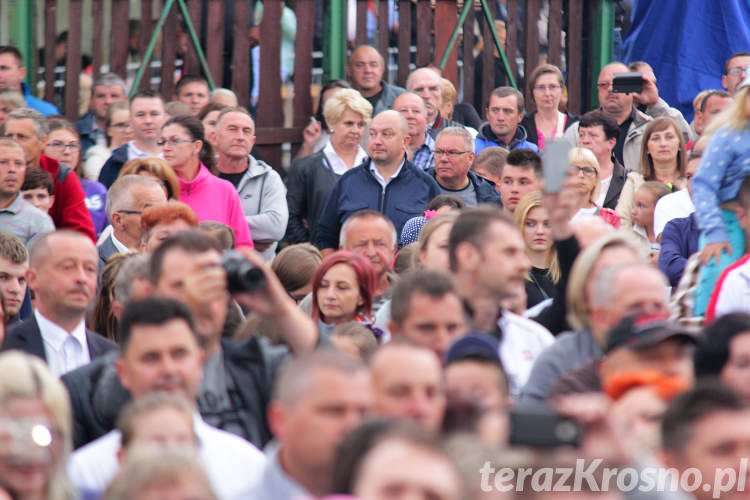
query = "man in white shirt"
x=62 y=275
x=147 y=116
x=160 y=351
x=488 y=259
x=319 y=397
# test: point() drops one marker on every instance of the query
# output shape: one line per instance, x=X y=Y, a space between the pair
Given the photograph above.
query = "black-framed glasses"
x=450 y=154
x=173 y=141
x=586 y=171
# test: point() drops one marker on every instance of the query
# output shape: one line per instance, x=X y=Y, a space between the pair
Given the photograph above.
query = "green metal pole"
x=196 y=43
x=150 y=49
x=448 y=48
x=602 y=45
x=491 y=25
x=21 y=34
x=334 y=40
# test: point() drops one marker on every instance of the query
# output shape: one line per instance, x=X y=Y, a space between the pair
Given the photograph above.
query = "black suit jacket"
x=27 y=337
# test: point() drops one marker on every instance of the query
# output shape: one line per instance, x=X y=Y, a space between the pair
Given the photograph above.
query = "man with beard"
x=62 y=273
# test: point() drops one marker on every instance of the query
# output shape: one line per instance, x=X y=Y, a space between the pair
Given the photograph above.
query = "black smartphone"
x=543 y=428
x=628 y=83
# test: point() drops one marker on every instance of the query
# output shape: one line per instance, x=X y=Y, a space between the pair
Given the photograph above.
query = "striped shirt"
x=25 y=221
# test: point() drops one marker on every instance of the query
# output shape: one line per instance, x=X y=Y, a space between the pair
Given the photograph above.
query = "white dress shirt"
x=65 y=351
x=672 y=206
x=381 y=180
x=120 y=246
x=233 y=465
x=337 y=164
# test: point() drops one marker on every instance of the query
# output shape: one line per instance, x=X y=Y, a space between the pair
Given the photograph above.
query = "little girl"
x=644 y=201
x=725 y=163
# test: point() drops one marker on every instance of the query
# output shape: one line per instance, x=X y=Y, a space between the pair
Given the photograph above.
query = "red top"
x=69 y=210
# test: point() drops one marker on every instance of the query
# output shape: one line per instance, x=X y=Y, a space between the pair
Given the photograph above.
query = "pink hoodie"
x=216 y=199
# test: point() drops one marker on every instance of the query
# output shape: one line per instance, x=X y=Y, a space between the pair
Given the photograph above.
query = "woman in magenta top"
x=190 y=156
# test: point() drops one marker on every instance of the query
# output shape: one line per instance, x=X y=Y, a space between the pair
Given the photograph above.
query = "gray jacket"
x=263 y=197
x=570 y=350
x=390 y=92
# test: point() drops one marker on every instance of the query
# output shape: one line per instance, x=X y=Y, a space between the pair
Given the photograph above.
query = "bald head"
x=413 y=108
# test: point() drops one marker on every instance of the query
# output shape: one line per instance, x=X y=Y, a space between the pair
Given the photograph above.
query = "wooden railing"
x=429 y=25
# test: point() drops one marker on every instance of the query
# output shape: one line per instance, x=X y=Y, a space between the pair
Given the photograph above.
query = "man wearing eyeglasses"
x=128 y=197
x=454 y=154
x=31 y=130
x=734 y=71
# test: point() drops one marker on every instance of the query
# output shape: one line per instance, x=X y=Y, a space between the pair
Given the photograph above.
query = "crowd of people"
x=412 y=311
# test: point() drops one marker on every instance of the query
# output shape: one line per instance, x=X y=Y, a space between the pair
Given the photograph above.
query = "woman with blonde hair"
x=533 y=220
x=35 y=430
x=157 y=169
x=586 y=175
x=312 y=178
x=663 y=159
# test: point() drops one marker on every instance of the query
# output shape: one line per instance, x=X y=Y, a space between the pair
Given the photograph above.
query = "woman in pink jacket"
x=190 y=156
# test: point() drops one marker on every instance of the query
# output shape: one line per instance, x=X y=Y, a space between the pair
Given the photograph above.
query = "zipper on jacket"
x=382 y=200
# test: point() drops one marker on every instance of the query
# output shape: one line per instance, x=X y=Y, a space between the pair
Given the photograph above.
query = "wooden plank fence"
x=424 y=26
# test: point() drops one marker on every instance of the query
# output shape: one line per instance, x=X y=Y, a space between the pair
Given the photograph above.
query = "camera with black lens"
x=242 y=276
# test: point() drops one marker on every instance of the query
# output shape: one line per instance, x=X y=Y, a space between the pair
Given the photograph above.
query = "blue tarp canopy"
x=687 y=43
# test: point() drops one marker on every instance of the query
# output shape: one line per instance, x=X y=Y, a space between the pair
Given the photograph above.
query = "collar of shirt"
x=276 y=478
x=120 y=246
x=15 y=205
x=337 y=164
x=376 y=173
x=55 y=336
x=134 y=152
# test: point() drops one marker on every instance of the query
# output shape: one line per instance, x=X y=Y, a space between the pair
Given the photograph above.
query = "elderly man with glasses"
x=454 y=155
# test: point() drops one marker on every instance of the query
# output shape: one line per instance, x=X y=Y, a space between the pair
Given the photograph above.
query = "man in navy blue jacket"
x=387 y=183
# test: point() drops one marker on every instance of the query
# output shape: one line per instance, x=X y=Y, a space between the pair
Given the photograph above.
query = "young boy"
x=37 y=189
